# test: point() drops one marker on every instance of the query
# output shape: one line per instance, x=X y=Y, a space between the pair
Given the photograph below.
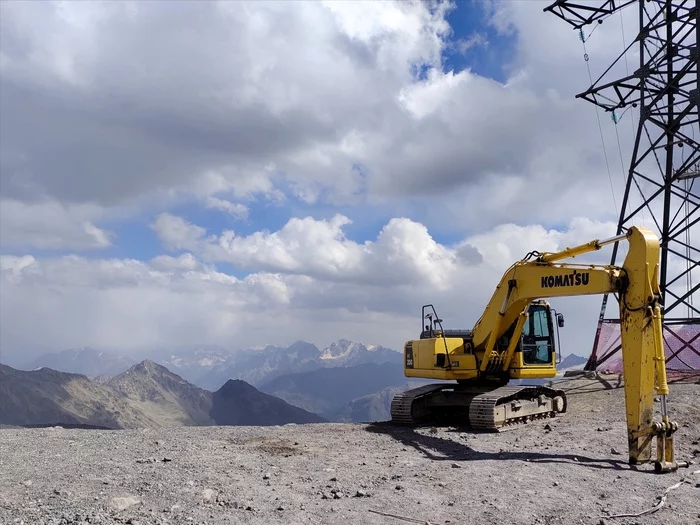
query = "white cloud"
x=507 y=243
x=322 y=97
x=475 y=40
x=176 y=233
x=403 y=253
x=134 y=305
x=241 y=183
x=185 y=262
x=235 y=209
x=188 y=108
x=50 y=225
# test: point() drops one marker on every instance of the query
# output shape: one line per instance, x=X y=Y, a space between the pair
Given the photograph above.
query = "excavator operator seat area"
x=538 y=343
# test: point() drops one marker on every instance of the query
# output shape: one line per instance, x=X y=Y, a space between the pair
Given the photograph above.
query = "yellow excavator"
x=515 y=339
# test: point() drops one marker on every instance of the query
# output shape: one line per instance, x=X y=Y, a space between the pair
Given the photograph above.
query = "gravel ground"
x=567 y=471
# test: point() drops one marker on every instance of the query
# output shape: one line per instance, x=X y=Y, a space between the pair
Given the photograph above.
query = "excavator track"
x=402 y=404
x=495 y=410
x=510 y=406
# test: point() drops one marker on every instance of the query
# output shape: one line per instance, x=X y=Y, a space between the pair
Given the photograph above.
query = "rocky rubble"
x=558 y=472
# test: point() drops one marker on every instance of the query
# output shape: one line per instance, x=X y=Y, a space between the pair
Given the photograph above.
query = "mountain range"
x=147 y=395
x=321 y=382
x=346 y=381
x=209 y=367
x=258 y=367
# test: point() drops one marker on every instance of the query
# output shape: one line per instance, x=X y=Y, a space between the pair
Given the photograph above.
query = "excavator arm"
x=636 y=283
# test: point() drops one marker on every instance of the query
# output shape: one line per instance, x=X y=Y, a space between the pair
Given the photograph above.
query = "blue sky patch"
x=132 y=238
x=476 y=44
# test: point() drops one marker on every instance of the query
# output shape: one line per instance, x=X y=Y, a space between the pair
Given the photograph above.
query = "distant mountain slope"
x=326 y=390
x=572 y=360
x=254 y=407
x=372 y=407
x=256 y=366
x=48 y=396
x=192 y=363
x=259 y=367
x=87 y=361
x=146 y=395
x=348 y=353
x=156 y=390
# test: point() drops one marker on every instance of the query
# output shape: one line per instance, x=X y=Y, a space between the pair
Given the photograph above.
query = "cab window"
x=537 y=341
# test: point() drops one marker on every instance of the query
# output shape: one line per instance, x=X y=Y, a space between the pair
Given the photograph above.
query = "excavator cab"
x=537 y=342
x=536 y=354
x=448 y=354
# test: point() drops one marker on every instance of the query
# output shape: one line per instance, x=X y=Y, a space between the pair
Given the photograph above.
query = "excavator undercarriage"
x=486 y=408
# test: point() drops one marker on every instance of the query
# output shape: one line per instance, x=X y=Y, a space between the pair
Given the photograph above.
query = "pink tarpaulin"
x=681 y=346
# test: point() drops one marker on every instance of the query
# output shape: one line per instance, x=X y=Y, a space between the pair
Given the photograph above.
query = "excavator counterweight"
x=514 y=340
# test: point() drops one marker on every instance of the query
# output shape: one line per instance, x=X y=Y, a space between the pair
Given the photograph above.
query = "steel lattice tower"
x=664 y=170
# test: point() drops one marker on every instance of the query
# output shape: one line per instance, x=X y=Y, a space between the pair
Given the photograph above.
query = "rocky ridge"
x=147 y=395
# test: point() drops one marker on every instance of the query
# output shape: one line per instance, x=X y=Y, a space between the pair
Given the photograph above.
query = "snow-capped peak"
x=342 y=349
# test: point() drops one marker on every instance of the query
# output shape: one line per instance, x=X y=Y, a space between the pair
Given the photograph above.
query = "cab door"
x=535 y=356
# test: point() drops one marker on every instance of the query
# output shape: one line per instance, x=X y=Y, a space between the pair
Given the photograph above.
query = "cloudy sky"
x=250 y=173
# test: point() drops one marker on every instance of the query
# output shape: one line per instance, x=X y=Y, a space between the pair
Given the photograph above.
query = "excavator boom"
x=527 y=280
